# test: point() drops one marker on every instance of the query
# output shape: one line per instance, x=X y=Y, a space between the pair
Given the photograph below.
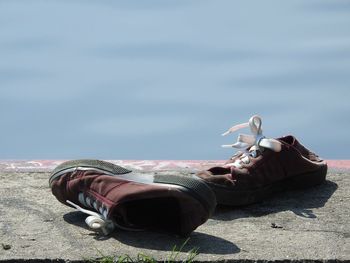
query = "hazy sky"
x=163 y=79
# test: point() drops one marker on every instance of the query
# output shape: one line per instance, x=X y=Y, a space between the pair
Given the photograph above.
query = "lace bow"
x=254 y=142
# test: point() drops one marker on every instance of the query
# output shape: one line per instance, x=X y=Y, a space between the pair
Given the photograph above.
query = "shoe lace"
x=94 y=220
x=255 y=142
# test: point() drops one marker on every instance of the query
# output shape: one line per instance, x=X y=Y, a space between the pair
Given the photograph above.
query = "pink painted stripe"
x=145 y=165
x=341 y=164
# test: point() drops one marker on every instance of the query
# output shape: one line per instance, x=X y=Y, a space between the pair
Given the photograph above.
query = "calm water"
x=163 y=79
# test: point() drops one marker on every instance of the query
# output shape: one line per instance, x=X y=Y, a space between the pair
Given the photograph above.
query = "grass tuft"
x=143 y=258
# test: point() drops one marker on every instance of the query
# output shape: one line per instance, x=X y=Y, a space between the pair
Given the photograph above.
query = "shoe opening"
x=291 y=140
x=161 y=214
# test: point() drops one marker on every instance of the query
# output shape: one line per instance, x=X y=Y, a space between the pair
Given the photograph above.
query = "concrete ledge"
x=301 y=226
x=143 y=165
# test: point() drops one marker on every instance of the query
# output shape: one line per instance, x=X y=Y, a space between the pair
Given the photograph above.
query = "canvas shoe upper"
x=113 y=196
x=263 y=167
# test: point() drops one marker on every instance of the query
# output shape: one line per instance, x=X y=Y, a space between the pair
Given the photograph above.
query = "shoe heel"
x=308 y=179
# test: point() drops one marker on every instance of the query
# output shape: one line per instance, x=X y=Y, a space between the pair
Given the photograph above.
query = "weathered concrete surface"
x=312 y=224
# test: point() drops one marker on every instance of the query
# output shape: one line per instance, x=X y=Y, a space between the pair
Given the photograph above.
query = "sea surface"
x=162 y=79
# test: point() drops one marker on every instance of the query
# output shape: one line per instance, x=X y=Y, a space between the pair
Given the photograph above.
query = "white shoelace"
x=94 y=220
x=255 y=141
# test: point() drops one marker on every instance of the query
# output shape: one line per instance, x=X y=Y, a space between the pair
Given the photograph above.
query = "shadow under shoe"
x=300 y=202
x=156 y=240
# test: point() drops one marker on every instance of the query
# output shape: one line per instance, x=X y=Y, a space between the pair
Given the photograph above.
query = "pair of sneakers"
x=113 y=196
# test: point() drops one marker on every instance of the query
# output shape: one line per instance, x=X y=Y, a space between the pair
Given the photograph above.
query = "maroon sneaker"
x=113 y=196
x=266 y=166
